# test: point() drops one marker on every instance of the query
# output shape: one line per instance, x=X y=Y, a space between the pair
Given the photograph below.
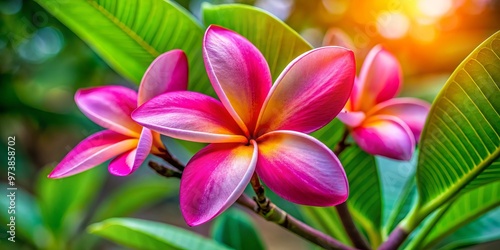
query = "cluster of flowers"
x=256 y=128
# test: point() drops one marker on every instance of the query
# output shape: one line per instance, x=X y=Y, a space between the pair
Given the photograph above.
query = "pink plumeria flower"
x=111 y=107
x=381 y=124
x=256 y=126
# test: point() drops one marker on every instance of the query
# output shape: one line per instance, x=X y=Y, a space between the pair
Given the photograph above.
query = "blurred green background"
x=42 y=64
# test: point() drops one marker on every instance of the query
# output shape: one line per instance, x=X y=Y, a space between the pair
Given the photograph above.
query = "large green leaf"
x=327 y=220
x=484 y=229
x=365 y=198
x=135 y=195
x=28 y=220
x=276 y=41
x=129 y=35
x=64 y=202
x=398 y=189
x=235 y=228
x=406 y=199
x=461 y=139
x=458 y=213
x=142 y=234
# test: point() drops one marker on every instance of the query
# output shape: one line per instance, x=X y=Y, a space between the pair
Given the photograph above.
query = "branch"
x=342 y=144
x=165 y=155
x=280 y=217
x=262 y=206
x=345 y=216
x=164 y=171
x=396 y=238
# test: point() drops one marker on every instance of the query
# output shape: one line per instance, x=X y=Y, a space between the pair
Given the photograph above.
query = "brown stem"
x=280 y=217
x=356 y=237
x=165 y=155
x=345 y=216
x=342 y=145
x=396 y=238
x=262 y=206
x=262 y=201
x=164 y=171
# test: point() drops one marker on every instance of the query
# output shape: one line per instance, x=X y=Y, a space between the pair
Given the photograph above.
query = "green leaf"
x=330 y=134
x=135 y=195
x=142 y=234
x=405 y=201
x=129 y=35
x=458 y=213
x=364 y=200
x=276 y=41
x=27 y=217
x=398 y=189
x=461 y=139
x=326 y=219
x=64 y=202
x=236 y=229
x=485 y=229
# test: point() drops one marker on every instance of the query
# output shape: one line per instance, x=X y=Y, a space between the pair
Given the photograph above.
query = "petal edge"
x=301 y=169
x=209 y=189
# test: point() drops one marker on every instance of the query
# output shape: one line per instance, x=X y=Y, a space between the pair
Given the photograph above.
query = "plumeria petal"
x=386 y=136
x=128 y=162
x=110 y=107
x=168 y=72
x=301 y=169
x=351 y=119
x=412 y=111
x=93 y=151
x=214 y=179
x=189 y=116
x=379 y=80
x=239 y=74
x=310 y=92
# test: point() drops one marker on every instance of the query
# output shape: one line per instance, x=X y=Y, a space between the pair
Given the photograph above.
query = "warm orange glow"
x=424 y=33
x=393 y=25
x=434 y=8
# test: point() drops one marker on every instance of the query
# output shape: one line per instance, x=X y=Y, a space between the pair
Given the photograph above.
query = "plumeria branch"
x=164 y=171
x=345 y=216
x=396 y=238
x=280 y=217
x=262 y=206
x=165 y=155
x=342 y=144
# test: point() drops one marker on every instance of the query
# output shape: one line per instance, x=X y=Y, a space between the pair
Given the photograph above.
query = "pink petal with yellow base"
x=239 y=74
x=214 y=179
x=379 y=80
x=189 y=116
x=127 y=163
x=413 y=112
x=93 y=151
x=301 y=169
x=110 y=107
x=310 y=92
x=386 y=136
x=168 y=72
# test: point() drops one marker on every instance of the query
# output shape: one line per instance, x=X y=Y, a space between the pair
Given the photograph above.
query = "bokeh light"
x=434 y=8
x=393 y=25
